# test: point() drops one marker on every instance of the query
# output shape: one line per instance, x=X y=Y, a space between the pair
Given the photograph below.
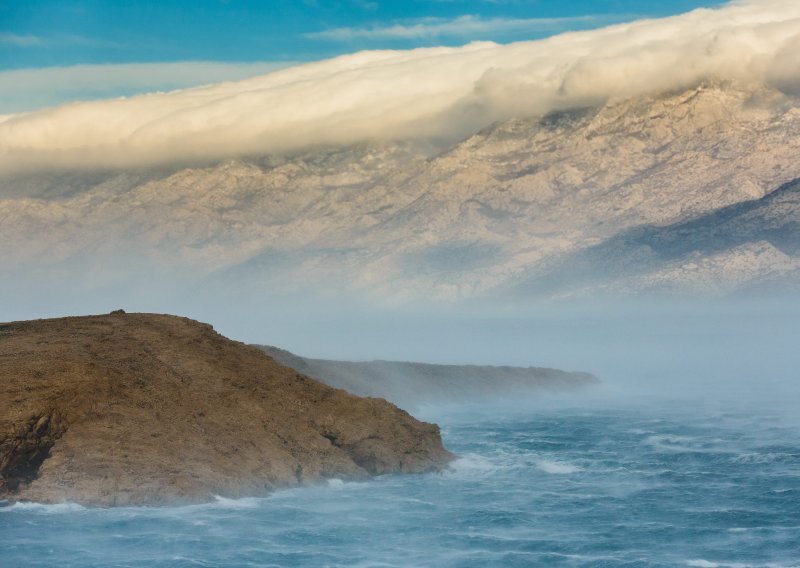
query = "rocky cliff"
x=139 y=408
x=411 y=384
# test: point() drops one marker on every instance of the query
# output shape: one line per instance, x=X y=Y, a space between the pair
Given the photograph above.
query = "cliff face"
x=411 y=384
x=139 y=408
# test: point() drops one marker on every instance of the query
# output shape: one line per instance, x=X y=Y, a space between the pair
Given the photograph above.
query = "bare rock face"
x=149 y=409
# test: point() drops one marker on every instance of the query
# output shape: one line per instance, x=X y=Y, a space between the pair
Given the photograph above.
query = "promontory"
x=156 y=409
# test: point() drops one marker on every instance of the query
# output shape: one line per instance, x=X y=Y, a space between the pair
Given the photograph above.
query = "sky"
x=57 y=51
x=123 y=48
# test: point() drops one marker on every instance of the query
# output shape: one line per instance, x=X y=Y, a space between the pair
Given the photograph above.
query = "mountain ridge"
x=769 y=226
x=395 y=222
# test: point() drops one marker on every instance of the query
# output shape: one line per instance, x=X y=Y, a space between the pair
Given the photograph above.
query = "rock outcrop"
x=411 y=384
x=148 y=409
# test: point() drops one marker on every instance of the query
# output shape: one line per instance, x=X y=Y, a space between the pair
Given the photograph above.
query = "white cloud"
x=20 y=40
x=435 y=92
x=366 y=4
x=29 y=89
x=463 y=26
x=29 y=40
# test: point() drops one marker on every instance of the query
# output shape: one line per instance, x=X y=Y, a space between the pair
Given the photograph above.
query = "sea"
x=583 y=480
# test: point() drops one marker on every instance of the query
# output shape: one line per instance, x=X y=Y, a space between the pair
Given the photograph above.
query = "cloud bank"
x=438 y=93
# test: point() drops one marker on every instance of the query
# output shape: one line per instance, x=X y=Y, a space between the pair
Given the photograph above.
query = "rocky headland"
x=154 y=409
x=410 y=384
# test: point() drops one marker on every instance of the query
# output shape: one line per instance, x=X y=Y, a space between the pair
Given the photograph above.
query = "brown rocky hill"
x=148 y=409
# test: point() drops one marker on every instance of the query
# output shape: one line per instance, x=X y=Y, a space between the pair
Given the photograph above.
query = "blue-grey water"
x=559 y=482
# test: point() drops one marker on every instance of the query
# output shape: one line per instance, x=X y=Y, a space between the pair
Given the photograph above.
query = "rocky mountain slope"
x=749 y=244
x=411 y=384
x=138 y=408
x=395 y=221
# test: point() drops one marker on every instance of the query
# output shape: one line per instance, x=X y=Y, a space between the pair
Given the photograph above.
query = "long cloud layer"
x=434 y=92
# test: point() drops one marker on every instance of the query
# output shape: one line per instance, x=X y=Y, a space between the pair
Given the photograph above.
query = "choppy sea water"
x=572 y=483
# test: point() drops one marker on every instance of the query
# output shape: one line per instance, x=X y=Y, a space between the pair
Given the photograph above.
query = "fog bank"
x=742 y=348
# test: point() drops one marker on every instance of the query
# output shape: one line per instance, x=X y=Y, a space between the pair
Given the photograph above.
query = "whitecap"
x=561 y=468
x=700 y=563
x=473 y=463
x=51 y=508
x=761 y=458
x=241 y=503
x=667 y=443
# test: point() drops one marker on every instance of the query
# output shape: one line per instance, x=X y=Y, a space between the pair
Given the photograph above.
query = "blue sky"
x=38 y=34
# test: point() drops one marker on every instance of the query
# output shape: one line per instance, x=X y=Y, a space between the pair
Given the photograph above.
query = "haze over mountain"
x=501 y=208
x=488 y=171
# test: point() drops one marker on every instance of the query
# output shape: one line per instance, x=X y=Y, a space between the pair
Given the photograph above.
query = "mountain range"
x=684 y=193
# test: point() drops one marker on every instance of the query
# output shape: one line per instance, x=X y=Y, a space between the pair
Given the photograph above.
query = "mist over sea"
x=688 y=455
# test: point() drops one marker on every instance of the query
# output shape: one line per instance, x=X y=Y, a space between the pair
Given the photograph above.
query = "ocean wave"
x=762 y=458
x=700 y=563
x=671 y=443
x=473 y=464
x=559 y=468
x=236 y=503
x=47 y=508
